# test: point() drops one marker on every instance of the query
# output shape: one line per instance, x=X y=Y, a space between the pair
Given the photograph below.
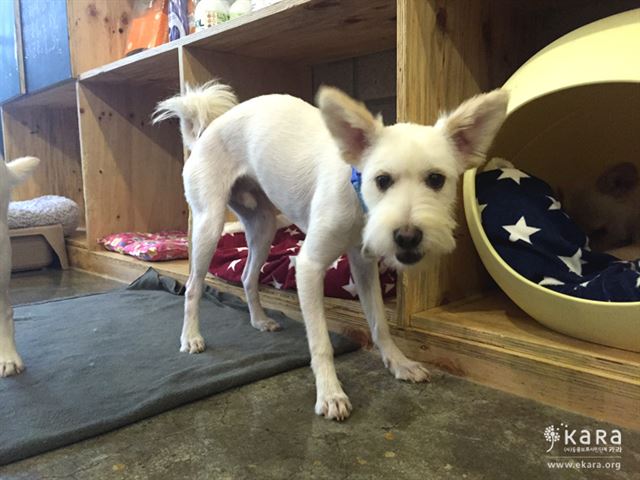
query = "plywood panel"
x=132 y=170
x=249 y=77
x=52 y=136
x=306 y=31
x=97 y=32
x=442 y=59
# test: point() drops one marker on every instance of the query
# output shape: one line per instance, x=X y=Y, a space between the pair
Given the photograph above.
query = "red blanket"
x=279 y=269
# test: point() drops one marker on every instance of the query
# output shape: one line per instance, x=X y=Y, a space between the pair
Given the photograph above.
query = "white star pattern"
x=550 y=281
x=275 y=284
x=574 y=263
x=292 y=231
x=292 y=261
x=520 y=231
x=335 y=264
x=232 y=265
x=350 y=287
x=555 y=204
x=513 y=174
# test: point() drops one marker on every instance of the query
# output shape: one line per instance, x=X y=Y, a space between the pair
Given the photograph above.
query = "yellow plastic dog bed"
x=574 y=110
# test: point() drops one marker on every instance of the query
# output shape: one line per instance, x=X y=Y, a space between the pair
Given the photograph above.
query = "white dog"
x=11 y=174
x=278 y=153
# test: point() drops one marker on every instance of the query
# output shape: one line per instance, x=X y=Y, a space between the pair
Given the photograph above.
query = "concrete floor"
x=449 y=429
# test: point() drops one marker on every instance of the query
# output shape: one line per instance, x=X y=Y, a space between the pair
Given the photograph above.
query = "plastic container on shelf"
x=209 y=13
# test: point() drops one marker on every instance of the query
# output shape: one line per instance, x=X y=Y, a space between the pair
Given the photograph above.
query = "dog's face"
x=410 y=172
x=609 y=210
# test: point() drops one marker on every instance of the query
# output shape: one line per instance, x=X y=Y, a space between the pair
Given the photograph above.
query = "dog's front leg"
x=331 y=401
x=366 y=276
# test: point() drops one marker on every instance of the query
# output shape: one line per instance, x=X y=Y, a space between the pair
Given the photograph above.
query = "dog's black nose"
x=407 y=237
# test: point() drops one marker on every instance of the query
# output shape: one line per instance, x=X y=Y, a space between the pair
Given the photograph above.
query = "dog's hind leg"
x=207 y=196
x=205 y=232
x=366 y=277
x=260 y=227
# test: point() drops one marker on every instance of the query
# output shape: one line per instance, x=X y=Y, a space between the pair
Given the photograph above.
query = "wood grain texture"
x=97 y=32
x=157 y=65
x=442 y=59
x=605 y=398
x=52 y=136
x=62 y=95
x=306 y=31
x=249 y=77
x=132 y=170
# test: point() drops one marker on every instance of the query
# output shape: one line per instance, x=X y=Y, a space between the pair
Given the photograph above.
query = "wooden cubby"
x=448 y=313
x=45 y=125
x=131 y=168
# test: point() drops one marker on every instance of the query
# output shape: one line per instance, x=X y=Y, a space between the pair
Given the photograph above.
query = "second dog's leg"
x=10 y=361
x=260 y=228
x=366 y=276
x=311 y=266
x=206 y=229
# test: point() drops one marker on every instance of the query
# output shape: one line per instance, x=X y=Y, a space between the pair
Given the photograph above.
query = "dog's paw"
x=334 y=407
x=192 y=344
x=408 y=370
x=266 y=325
x=10 y=364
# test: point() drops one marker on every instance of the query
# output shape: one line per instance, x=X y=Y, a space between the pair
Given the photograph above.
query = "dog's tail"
x=196 y=108
x=20 y=168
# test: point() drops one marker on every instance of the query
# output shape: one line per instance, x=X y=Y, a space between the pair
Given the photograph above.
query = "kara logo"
x=583 y=437
x=552 y=435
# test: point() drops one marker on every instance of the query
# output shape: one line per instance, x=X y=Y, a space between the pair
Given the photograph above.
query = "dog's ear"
x=618 y=180
x=473 y=125
x=352 y=126
x=20 y=169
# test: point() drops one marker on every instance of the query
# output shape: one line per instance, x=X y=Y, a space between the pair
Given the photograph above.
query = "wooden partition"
x=46 y=126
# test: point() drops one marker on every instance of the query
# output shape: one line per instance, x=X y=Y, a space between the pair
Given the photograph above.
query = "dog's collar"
x=356 y=181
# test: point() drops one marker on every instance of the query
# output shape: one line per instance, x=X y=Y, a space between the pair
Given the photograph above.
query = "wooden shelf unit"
x=448 y=313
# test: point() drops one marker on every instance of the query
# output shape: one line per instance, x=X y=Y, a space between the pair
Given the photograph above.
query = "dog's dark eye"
x=435 y=181
x=384 y=181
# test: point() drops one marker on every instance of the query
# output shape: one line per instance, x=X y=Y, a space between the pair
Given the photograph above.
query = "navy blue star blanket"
x=526 y=225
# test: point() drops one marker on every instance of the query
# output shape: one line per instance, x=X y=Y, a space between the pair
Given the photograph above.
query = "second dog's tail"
x=20 y=168
x=196 y=108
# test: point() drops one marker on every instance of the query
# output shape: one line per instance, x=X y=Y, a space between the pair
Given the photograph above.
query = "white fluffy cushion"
x=43 y=211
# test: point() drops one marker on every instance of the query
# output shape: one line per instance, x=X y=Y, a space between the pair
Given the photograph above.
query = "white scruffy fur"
x=11 y=174
x=292 y=157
